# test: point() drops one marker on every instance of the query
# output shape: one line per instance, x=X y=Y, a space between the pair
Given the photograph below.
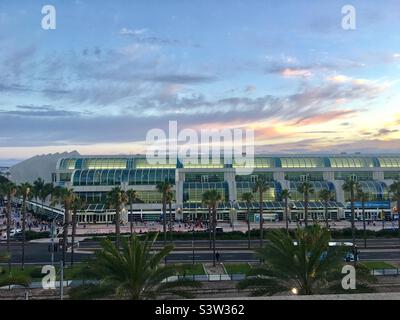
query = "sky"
x=112 y=70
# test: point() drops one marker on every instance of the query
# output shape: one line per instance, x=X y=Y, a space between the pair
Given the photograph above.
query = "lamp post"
x=52 y=241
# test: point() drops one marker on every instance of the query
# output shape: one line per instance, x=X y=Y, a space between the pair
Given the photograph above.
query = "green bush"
x=35 y=272
x=255 y=234
x=31 y=235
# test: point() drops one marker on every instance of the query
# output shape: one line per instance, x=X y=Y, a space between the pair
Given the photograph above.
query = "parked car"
x=13 y=233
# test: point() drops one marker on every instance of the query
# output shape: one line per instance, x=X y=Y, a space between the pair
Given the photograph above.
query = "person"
x=217 y=256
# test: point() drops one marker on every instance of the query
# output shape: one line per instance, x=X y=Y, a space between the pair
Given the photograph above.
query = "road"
x=229 y=250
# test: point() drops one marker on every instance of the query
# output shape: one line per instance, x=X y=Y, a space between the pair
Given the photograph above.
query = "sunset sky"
x=112 y=70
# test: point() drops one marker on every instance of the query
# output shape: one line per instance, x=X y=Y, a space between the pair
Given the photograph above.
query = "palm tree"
x=24 y=190
x=64 y=197
x=76 y=205
x=12 y=277
x=214 y=197
x=285 y=195
x=116 y=198
x=363 y=197
x=170 y=198
x=306 y=264
x=45 y=191
x=9 y=189
x=38 y=186
x=261 y=186
x=326 y=196
x=306 y=189
x=206 y=199
x=351 y=186
x=248 y=197
x=394 y=189
x=135 y=271
x=132 y=198
x=164 y=188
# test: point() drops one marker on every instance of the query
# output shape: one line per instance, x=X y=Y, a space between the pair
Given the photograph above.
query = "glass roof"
x=389 y=162
x=339 y=161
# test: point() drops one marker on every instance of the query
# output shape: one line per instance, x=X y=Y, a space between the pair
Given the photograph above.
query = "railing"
x=208 y=277
x=386 y=272
x=54 y=212
x=197 y=277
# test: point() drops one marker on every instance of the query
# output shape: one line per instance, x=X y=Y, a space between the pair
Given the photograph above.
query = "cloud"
x=182 y=78
x=325 y=117
x=291 y=67
x=138 y=36
x=291 y=72
x=40 y=111
x=130 y=32
x=250 y=89
x=384 y=132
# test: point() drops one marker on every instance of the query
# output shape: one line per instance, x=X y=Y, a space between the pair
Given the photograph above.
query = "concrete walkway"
x=217 y=270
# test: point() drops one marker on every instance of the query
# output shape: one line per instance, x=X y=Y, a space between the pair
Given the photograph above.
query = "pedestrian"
x=217 y=256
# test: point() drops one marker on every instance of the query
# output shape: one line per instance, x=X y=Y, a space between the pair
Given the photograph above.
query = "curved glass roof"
x=302 y=162
x=389 y=162
x=289 y=162
x=351 y=162
x=112 y=177
x=317 y=185
x=377 y=190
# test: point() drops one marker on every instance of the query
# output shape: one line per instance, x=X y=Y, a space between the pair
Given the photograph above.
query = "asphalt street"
x=229 y=250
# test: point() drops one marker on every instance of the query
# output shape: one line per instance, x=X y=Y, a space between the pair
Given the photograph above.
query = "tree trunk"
x=210 y=226
x=73 y=237
x=131 y=217
x=364 y=227
x=65 y=232
x=286 y=215
x=23 y=209
x=306 y=209
x=248 y=228
x=326 y=215
x=261 y=220
x=165 y=218
x=170 y=221
x=353 y=231
x=117 y=227
x=214 y=231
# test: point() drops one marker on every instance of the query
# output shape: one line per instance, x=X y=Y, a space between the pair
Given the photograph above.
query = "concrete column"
x=285 y=184
x=278 y=176
x=179 y=179
x=328 y=175
x=339 y=190
x=229 y=177
x=378 y=175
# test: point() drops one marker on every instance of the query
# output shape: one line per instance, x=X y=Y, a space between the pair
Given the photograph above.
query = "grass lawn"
x=378 y=265
x=190 y=269
x=233 y=268
x=35 y=272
